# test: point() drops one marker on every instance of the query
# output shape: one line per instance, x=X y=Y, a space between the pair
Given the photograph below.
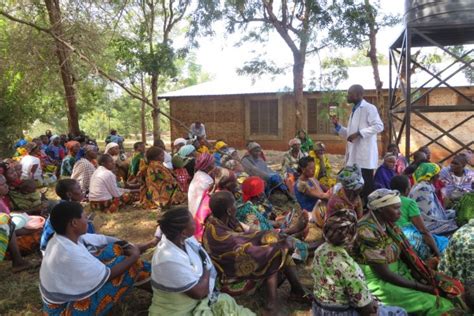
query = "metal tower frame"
x=402 y=97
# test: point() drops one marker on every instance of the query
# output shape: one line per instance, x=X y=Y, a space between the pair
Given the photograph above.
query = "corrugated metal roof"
x=239 y=85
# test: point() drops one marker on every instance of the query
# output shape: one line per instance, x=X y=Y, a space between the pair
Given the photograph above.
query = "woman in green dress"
x=394 y=273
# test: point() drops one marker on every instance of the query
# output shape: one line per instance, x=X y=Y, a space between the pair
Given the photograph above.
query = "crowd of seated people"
x=221 y=235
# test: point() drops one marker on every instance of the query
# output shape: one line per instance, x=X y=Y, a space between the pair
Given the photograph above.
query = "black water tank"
x=421 y=13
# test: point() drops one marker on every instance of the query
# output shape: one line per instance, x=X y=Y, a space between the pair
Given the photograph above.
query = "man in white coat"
x=361 y=135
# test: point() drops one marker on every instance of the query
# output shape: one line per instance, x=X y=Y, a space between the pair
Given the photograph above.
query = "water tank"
x=419 y=13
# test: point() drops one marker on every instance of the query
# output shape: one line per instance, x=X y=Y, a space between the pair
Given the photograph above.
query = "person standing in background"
x=361 y=135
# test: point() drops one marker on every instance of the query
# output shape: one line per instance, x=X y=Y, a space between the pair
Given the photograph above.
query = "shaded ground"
x=20 y=294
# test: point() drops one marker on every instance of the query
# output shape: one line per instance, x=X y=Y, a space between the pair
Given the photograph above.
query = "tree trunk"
x=67 y=74
x=372 y=54
x=155 y=114
x=298 y=76
x=143 y=112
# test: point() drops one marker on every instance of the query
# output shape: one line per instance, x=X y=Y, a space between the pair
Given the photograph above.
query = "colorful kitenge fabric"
x=465 y=209
x=67 y=166
x=289 y=165
x=351 y=178
x=325 y=178
x=409 y=209
x=243 y=259
x=24 y=201
x=159 y=186
x=306 y=143
x=111 y=292
x=135 y=163
x=301 y=189
x=6 y=229
x=455 y=187
x=458 y=260
x=183 y=178
x=55 y=152
x=340 y=201
x=383 y=244
x=438 y=220
x=338 y=279
x=426 y=171
x=202 y=213
x=112 y=205
x=253 y=216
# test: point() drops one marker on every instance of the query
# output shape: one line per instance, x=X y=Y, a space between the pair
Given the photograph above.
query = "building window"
x=264 y=117
x=318 y=117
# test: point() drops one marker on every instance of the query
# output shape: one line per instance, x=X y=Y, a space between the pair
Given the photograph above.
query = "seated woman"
x=438 y=220
x=348 y=196
x=183 y=276
x=421 y=240
x=220 y=149
x=104 y=194
x=180 y=172
x=203 y=180
x=189 y=153
x=385 y=172
x=340 y=287
x=307 y=189
x=68 y=162
x=84 y=168
x=322 y=166
x=401 y=162
x=457 y=179
x=177 y=144
x=306 y=141
x=67 y=190
x=255 y=165
x=232 y=162
x=419 y=157
x=31 y=165
x=159 y=186
x=289 y=165
x=394 y=273
x=93 y=272
x=12 y=246
x=223 y=180
x=247 y=259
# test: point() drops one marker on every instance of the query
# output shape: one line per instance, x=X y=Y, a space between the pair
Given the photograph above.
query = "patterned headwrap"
x=186 y=150
x=383 y=197
x=219 y=145
x=110 y=146
x=252 y=186
x=179 y=141
x=294 y=141
x=319 y=146
x=351 y=178
x=204 y=161
x=252 y=145
x=340 y=227
x=71 y=144
x=426 y=171
x=389 y=155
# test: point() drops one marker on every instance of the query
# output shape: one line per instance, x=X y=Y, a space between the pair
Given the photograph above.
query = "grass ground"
x=20 y=294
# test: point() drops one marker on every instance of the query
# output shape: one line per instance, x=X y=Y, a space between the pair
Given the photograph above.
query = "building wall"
x=226 y=117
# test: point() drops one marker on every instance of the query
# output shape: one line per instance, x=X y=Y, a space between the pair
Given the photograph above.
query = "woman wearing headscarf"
x=189 y=153
x=220 y=149
x=340 y=287
x=401 y=163
x=289 y=165
x=322 y=166
x=422 y=241
x=68 y=162
x=201 y=182
x=180 y=172
x=245 y=260
x=306 y=141
x=177 y=144
x=394 y=273
x=438 y=220
x=84 y=168
x=348 y=196
x=159 y=187
x=233 y=162
x=183 y=276
x=385 y=172
x=224 y=179
x=255 y=165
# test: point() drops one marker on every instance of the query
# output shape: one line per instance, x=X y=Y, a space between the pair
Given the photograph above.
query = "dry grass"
x=20 y=294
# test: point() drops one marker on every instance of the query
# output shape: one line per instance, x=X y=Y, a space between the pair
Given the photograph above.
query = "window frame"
x=254 y=136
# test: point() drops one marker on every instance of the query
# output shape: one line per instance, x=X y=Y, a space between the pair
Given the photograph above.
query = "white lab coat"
x=363 y=151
